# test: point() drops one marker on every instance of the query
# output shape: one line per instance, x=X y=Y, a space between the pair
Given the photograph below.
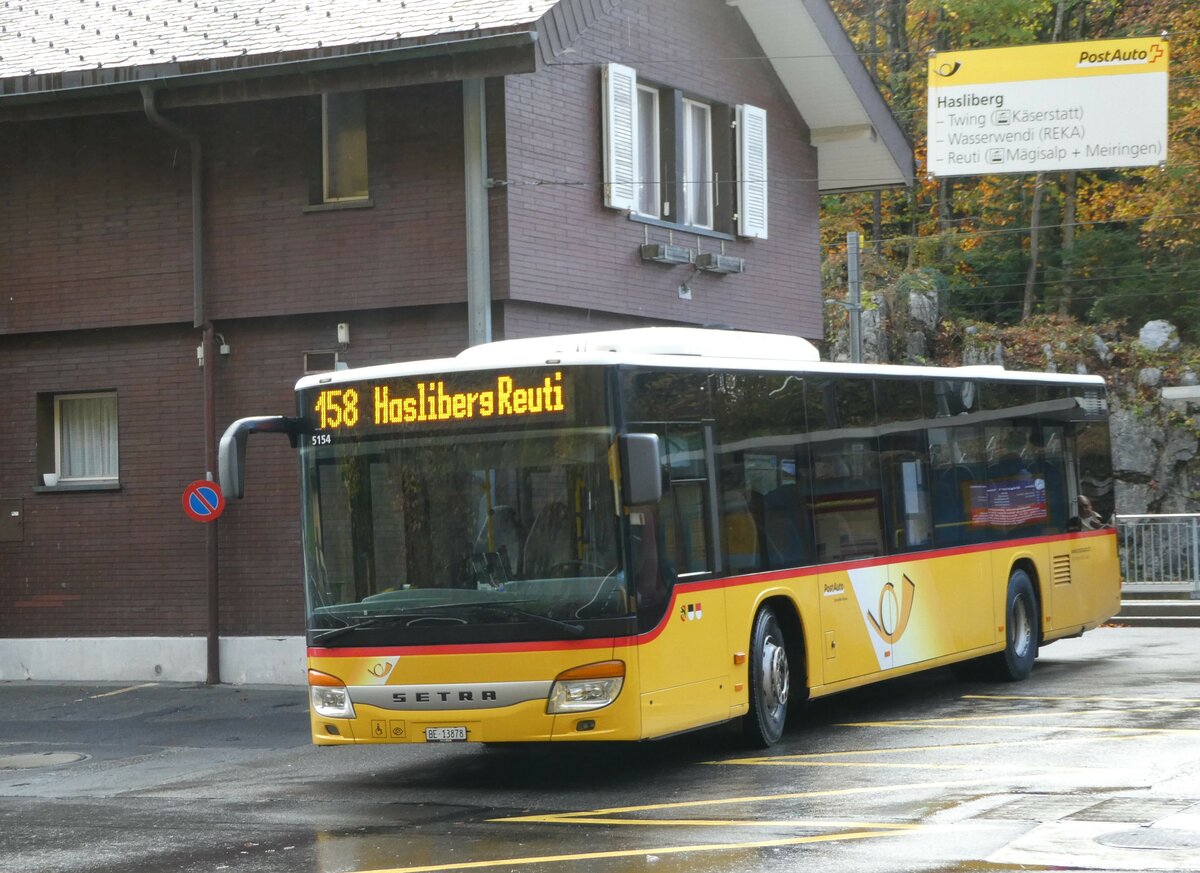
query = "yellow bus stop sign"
x=1062 y=106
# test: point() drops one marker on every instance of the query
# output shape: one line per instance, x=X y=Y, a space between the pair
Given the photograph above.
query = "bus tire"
x=1020 y=629
x=769 y=680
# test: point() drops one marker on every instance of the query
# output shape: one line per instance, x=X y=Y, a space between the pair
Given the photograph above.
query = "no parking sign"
x=203 y=500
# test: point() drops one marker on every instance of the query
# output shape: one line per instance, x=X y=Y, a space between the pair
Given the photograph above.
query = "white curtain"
x=88 y=437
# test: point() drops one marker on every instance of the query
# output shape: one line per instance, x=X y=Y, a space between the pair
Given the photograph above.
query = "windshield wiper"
x=334 y=633
x=509 y=606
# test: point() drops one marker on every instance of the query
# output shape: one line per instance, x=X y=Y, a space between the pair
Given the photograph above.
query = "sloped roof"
x=55 y=49
x=39 y=37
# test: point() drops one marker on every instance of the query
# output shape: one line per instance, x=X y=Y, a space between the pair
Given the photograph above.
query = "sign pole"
x=854 y=296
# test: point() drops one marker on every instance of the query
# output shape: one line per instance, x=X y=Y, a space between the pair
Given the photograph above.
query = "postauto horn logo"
x=894 y=610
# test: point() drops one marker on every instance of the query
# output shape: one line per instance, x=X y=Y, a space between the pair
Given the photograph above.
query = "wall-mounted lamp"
x=343 y=334
x=222 y=345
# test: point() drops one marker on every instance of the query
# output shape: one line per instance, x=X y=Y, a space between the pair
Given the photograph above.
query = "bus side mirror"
x=641 y=472
x=231 y=455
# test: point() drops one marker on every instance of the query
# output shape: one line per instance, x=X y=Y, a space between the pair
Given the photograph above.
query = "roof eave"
x=517 y=48
x=860 y=145
x=886 y=127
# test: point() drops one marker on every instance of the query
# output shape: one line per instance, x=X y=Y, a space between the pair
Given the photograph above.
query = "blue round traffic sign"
x=203 y=500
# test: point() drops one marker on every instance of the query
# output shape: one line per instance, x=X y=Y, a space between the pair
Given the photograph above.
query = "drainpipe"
x=479 y=266
x=207 y=345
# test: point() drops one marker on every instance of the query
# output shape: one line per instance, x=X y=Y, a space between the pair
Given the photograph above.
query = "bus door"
x=961 y=576
x=1067 y=599
x=684 y=661
x=1080 y=451
x=847 y=524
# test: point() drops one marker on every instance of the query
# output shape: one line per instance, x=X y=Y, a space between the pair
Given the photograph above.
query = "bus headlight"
x=329 y=695
x=591 y=686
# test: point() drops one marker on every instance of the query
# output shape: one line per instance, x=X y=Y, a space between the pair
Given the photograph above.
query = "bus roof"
x=676 y=347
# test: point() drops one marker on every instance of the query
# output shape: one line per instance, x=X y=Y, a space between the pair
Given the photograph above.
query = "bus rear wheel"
x=770 y=682
x=1021 y=631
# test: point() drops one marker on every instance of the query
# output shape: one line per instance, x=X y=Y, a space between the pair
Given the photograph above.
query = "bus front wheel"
x=1021 y=631
x=770 y=682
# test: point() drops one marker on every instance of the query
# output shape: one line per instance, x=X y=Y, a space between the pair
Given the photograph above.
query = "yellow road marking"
x=634 y=853
x=1081 y=712
x=803 y=759
x=1082 y=699
x=916 y=765
x=1016 y=716
x=1141 y=731
x=892 y=750
x=731 y=822
x=118 y=691
x=861 y=830
x=561 y=817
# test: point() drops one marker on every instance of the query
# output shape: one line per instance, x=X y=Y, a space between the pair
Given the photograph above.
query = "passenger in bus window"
x=1088 y=517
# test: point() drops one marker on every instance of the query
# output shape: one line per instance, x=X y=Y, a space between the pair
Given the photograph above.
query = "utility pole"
x=854 y=296
x=876 y=195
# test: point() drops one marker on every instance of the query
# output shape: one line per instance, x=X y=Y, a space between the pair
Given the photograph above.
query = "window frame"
x=654 y=162
x=57 y=401
x=725 y=149
x=326 y=196
x=692 y=186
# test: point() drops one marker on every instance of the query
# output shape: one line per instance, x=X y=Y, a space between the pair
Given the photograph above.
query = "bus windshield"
x=471 y=537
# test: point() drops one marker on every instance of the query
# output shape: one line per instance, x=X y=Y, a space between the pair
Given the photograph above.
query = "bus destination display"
x=392 y=402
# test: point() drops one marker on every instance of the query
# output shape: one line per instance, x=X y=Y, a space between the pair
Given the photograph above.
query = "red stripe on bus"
x=689 y=588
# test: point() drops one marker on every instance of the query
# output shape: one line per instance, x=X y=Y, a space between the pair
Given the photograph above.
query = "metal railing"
x=1160 y=554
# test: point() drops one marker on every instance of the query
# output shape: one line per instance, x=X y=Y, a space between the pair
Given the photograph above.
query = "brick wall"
x=99 y=562
x=97 y=229
x=518 y=319
x=129 y=562
x=572 y=251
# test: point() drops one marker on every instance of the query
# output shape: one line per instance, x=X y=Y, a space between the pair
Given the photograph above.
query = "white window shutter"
x=752 y=171
x=620 y=137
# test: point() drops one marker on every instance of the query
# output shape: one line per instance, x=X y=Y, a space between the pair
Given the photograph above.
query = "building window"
x=676 y=158
x=85 y=437
x=697 y=164
x=649 y=189
x=344 y=146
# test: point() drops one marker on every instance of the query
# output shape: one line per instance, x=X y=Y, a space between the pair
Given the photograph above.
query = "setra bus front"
x=465 y=553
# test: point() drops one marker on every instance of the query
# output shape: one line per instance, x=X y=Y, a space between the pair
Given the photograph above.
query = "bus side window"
x=685 y=500
x=904 y=457
x=847 y=489
x=764 y=469
x=1059 y=504
x=740 y=527
x=959 y=483
x=1094 y=476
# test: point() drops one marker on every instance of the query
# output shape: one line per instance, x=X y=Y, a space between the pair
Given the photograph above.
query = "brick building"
x=233 y=182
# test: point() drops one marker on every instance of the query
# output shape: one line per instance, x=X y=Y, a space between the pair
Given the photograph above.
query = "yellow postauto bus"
x=632 y=534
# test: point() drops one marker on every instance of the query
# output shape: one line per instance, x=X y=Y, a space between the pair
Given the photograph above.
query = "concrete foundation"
x=244 y=660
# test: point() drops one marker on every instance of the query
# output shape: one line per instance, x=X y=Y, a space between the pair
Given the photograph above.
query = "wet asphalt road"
x=1092 y=764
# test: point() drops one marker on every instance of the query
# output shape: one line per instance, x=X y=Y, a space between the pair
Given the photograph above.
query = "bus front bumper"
x=522 y=722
